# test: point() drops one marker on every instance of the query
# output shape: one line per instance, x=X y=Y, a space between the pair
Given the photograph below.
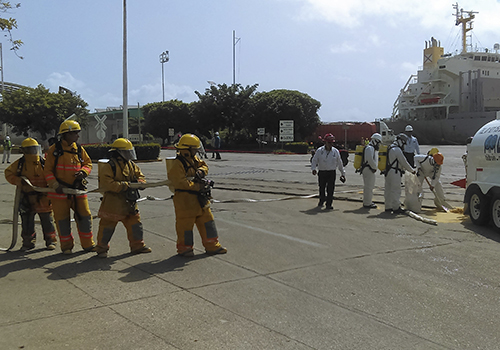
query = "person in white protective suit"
x=369 y=168
x=396 y=165
x=429 y=166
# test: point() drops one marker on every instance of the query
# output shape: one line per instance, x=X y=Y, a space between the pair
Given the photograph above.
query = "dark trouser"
x=409 y=157
x=216 y=154
x=326 y=181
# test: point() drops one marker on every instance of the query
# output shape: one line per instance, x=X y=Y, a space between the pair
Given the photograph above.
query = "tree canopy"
x=160 y=116
x=271 y=107
x=9 y=24
x=237 y=110
x=38 y=110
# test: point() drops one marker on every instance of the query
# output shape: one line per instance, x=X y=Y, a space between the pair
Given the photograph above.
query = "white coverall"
x=427 y=167
x=369 y=170
x=392 y=190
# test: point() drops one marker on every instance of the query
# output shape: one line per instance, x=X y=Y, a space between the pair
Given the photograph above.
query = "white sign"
x=101 y=127
x=171 y=131
x=287 y=138
x=286 y=123
x=286 y=131
x=261 y=131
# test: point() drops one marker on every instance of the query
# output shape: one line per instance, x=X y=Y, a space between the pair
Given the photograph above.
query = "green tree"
x=38 y=110
x=223 y=107
x=9 y=24
x=270 y=107
x=160 y=116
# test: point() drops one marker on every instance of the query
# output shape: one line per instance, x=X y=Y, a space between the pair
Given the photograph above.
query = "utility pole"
x=235 y=41
x=125 y=85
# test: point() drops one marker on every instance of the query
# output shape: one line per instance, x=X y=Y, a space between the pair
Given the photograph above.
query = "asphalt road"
x=294 y=277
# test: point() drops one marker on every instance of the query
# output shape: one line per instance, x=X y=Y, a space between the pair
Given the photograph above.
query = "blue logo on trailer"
x=490 y=144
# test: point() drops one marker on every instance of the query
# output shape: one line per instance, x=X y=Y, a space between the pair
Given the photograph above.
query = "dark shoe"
x=143 y=250
x=90 y=249
x=320 y=204
x=220 y=250
x=27 y=247
x=399 y=211
x=388 y=210
x=188 y=253
x=371 y=206
x=328 y=207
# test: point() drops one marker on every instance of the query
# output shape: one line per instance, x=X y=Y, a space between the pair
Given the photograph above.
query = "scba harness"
x=80 y=184
x=205 y=194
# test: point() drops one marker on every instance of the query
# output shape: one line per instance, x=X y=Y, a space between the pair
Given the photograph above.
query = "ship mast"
x=466 y=23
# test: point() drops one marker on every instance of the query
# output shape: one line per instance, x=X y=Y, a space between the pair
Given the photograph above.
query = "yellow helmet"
x=29 y=142
x=188 y=141
x=68 y=126
x=433 y=151
x=30 y=146
x=124 y=148
x=121 y=143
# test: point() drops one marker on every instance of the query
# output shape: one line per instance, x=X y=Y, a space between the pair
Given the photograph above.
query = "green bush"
x=147 y=151
x=297 y=147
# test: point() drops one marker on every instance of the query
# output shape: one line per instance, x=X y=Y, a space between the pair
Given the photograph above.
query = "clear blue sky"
x=353 y=56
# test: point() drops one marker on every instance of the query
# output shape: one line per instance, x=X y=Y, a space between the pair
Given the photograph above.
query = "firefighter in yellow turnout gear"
x=30 y=165
x=190 y=199
x=120 y=201
x=67 y=165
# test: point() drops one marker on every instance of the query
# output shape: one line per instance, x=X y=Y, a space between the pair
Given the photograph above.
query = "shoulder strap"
x=184 y=162
x=20 y=165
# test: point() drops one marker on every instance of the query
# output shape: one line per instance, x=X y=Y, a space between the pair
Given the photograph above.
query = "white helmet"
x=7 y=137
x=401 y=140
x=376 y=137
x=409 y=128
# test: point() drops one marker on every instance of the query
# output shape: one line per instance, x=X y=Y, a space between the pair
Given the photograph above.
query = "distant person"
x=396 y=165
x=216 y=146
x=31 y=166
x=369 y=168
x=327 y=159
x=7 y=147
x=412 y=147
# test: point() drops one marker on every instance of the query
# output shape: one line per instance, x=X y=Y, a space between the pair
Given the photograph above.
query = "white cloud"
x=426 y=13
x=345 y=48
x=66 y=80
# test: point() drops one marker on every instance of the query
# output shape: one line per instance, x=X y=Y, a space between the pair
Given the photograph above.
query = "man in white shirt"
x=327 y=159
x=411 y=146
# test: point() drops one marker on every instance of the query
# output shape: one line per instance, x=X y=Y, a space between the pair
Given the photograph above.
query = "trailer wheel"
x=495 y=211
x=478 y=207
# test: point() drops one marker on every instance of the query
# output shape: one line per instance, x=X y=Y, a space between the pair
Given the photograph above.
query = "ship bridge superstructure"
x=450 y=84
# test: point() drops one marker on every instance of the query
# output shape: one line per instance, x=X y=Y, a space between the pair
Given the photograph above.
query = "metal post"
x=125 y=84
x=235 y=41
x=139 y=121
x=164 y=58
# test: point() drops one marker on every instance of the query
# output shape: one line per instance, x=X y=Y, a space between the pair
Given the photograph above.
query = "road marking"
x=299 y=240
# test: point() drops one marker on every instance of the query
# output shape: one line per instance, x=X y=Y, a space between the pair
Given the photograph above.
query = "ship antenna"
x=466 y=24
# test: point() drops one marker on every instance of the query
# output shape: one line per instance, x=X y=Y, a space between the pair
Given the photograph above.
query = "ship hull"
x=452 y=131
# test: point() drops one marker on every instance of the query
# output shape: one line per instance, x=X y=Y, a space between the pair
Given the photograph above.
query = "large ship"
x=452 y=96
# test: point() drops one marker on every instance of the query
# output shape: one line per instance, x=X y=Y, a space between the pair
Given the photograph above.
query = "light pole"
x=125 y=83
x=163 y=59
x=235 y=41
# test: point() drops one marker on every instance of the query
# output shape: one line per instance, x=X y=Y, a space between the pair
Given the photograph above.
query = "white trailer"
x=482 y=164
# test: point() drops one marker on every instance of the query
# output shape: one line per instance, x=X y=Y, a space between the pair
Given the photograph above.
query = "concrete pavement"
x=295 y=277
